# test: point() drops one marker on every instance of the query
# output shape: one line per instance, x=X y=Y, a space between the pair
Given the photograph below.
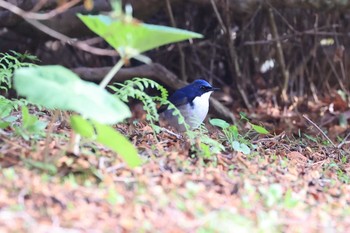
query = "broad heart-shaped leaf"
x=134 y=37
x=56 y=87
x=108 y=137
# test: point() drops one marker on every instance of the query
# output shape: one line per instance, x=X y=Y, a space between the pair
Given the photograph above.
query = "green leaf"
x=272 y=195
x=27 y=119
x=205 y=150
x=343 y=120
x=113 y=197
x=4 y=124
x=108 y=137
x=31 y=125
x=245 y=149
x=10 y=119
x=234 y=130
x=243 y=116
x=289 y=200
x=215 y=146
x=219 y=123
x=311 y=138
x=132 y=38
x=117 y=7
x=52 y=169
x=6 y=107
x=259 y=129
x=56 y=87
x=240 y=147
x=84 y=127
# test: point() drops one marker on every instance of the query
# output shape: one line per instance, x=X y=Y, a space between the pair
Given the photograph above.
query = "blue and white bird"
x=193 y=103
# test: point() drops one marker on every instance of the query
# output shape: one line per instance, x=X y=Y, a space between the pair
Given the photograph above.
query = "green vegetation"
x=31 y=128
x=55 y=87
x=224 y=178
x=135 y=89
x=231 y=136
x=9 y=62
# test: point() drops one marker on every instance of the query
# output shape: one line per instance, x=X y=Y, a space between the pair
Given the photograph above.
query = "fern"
x=135 y=88
x=143 y=83
x=9 y=63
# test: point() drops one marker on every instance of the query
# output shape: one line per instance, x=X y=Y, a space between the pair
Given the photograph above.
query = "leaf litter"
x=287 y=184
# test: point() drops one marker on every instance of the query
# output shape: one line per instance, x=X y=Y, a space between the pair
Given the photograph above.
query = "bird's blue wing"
x=178 y=99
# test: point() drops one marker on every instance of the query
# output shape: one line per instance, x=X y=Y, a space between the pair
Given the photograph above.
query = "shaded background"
x=268 y=57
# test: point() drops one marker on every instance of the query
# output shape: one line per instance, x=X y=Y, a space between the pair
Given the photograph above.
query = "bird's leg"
x=178 y=136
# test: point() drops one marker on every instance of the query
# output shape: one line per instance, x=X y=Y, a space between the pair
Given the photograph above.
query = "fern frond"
x=135 y=89
x=9 y=63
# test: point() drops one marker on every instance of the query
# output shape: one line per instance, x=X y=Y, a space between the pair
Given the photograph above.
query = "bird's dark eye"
x=204 y=88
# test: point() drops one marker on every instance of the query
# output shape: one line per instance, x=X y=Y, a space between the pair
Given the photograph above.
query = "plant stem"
x=48 y=135
x=111 y=73
x=76 y=142
x=76 y=138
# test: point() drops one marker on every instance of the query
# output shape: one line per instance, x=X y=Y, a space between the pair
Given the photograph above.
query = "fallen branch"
x=152 y=71
x=38 y=16
x=32 y=18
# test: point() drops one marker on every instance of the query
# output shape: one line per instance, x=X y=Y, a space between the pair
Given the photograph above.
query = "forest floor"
x=292 y=181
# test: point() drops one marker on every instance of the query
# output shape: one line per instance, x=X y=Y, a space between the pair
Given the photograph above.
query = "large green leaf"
x=134 y=37
x=56 y=87
x=108 y=137
x=219 y=123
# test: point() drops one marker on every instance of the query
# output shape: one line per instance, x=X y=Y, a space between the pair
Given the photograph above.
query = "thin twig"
x=234 y=63
x=39 y=5
x=49 y=134
x=215 y=8
x=318 y=128
x=335 y=71
x=280 y=54
x=65 y=39
x=49 y=31
x=38 y=16
x=181 y=52
x=344 y=141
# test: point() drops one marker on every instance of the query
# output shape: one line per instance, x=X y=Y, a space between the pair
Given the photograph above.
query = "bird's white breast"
x=196 y=112
x=201 y=106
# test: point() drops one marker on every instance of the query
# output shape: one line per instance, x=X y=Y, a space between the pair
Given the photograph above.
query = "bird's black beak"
x=215 y=89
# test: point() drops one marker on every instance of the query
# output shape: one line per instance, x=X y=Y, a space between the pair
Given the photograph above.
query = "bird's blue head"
x=188 y=93
x=200 y=87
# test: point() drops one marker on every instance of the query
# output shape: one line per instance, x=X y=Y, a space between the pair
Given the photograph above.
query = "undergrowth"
x=9 y=62
x=135 y=89
x=200 y=141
